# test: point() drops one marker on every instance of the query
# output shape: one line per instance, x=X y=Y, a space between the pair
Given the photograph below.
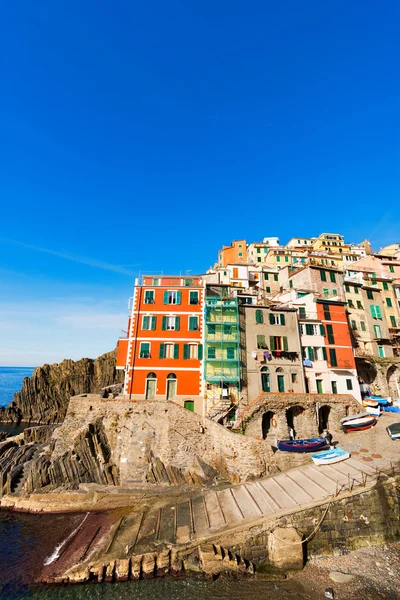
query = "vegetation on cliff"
x=44 y=397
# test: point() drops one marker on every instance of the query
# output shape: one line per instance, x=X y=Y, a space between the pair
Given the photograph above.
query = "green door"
x=319 y=386
x=281 y=383
x=151 y=389
x=189 y=404
x=265 y=382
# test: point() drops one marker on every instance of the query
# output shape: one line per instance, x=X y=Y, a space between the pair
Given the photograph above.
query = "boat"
x=379 y=400
x=375 y=410
x=368 y=402
x=352 y=417
x=392 y=409
x=394 y=431
x=359 y=424
x=308 y=445
x=330 y=456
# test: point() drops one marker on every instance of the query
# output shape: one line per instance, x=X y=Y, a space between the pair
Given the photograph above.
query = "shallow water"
x=11 y=379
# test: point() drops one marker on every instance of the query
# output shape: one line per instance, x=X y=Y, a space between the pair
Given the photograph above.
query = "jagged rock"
x=44 y=397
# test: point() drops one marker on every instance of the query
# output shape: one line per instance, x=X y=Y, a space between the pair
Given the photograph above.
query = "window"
x=275 y=319
x=168 y=351
x=385 y=285
x=188 y=282
x=275 y=277
x=239 y=245
x=355 y=289
x=310 y=329
x=393 y=321
x=359 y=305
x=258 y=250
x=354 y=325
x=265 y=250
x=321 y=330
x=268 y=290
x=291 y=283
x=302 y=312
x=192 y=351
x=391 y=268
x=230 y=353
x=347 y=288
x=373 y=311
x=349 y=384
x=278 y=259
x=259 y=316
x=327 y=312
x=211 y=352
x=332 y=276
x=334 y=387
x=378 y=312
x=211 y=329
x=149 y=297
x=350 y=303
x=331 y=337
x=261 y=343
x=171 y=323
x=240 y=253
x=278 y=343
x=334 y=292
x=326 y=293
x=370 y=295
x=323 y=275
x=363 y=328
x=389 y=302
x=172 y=297
x=310 y=353
x=156 y=282
x=332 y=357
x=266 y=276
x=377 y=332
x=294 y=377
x=286 y=259
x=193 y=297
x=144 y=351
x=193 y=323
x=258 y=259
x=149 y=323
x=381 y=351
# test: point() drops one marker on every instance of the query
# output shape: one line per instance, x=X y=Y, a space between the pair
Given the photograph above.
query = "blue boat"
x=331 y=456
x=381 y=401
x=308 y=445
x=392 y=409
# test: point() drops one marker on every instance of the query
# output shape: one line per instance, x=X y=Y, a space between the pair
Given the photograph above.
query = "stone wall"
x=137 y=442
x=381 y=374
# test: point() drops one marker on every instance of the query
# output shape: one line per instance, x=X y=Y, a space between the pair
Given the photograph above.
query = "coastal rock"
x=44 y=397
x=339 y=577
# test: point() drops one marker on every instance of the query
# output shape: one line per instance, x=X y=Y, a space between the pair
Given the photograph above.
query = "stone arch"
x=323 y=417
x=295 y=416
x=367 y=371
x=393 y=380
x=268 y=422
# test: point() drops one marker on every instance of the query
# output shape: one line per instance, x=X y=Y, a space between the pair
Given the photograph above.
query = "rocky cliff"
x=44 y=397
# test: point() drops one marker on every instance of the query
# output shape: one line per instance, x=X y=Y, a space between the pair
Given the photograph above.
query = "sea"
x=27 y=540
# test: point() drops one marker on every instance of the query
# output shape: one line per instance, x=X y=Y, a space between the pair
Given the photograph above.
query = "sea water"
x=11 y=379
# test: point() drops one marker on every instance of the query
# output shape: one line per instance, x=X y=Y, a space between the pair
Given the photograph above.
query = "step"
x=369 y=469
x=279 y=494
x=318 y=476
x=167 y=527
x=230 y=507
x=312 y=491
x=260 y=497
x=215 y=515
x=148 y=529
x=247 y=504
x=200 y=517
x=183 y=523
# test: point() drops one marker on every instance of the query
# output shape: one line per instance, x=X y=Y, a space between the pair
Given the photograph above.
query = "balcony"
x=221 y=337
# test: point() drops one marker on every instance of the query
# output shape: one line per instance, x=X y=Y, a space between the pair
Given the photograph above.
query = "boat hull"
x=359 y=424
x=308 y=445
x=330 y=456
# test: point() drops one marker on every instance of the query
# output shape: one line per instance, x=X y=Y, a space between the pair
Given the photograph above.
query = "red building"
x=163 y=353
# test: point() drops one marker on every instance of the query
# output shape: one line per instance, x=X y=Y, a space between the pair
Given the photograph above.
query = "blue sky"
x=143 y=136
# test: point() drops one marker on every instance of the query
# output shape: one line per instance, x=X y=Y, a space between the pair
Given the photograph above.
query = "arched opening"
x=151 y=386
x=280 y=379
x=171 y=386
x=366 y=370
x=267 y=423
x=265 y=380
x=392 y=378
x=293 y=418
x=323 y=418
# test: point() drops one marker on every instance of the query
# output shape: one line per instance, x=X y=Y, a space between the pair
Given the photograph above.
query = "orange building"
x=163 y=353
x=235 y=253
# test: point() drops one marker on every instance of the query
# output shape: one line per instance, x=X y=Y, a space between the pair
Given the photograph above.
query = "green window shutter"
x=177 y=323
x=322 y=330
x=378 y=312
x=259 y=316
x=185 y=351
x=176 y=350
x=278 y=259
x=286 y=259
x=331 y=337
x=347 y=288
x=266 y=276
x=178 y=297
x=268 y=290
x=355 y=289
x=310 y=353
x=332 y=356
x=271 y=342
x=324 y=354
x=230 y=353
x=385 y=285
x=323 y=275
x=271 y=318
x=275 y=277
x=393 y=321
x=309 y=329
x=291 y=283
x=373 y=311
x=389 y=302
x=332 y=276
x=164 y=323
x=285 y=344
x=211 y=329
x=145 y=323
x=200 y=352
x=282 y=319
x=144 y=350
x=165 y=297
x=161 y=352
x=391 y=268
x=192 y=323
x=211 y=352
x=370 y=294
x=153 y=323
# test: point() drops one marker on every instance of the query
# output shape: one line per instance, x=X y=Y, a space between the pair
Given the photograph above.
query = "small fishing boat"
x=392 y=409
x=330 y=456
x=359 y=424
x=352 y=417
x=309 y=445
x=379 y=400
x=367 y=402
x=375 y=411
x=394 y=431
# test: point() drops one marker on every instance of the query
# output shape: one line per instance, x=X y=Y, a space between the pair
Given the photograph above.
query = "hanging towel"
x=267 y=354
x=307 y=362
x=254 y=354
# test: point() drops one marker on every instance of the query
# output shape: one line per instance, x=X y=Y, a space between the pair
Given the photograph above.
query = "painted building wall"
x=236 y=252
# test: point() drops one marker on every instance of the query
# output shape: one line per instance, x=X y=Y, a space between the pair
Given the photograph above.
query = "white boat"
x=330 y=456
x=372 y=410
x=353 y=417
x=367 y=402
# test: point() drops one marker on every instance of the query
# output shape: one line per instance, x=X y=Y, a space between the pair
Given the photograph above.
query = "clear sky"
x=141 y=136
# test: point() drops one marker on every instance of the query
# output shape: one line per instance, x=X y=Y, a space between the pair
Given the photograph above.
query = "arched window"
x=172 y=383
x=265 y=380
x=151 y=386
x=279 y=370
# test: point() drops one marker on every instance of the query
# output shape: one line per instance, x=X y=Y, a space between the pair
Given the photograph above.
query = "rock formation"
x=44 y=397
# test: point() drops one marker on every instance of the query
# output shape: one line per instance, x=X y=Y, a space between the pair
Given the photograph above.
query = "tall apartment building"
x=163 y=353
x=235 y=253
